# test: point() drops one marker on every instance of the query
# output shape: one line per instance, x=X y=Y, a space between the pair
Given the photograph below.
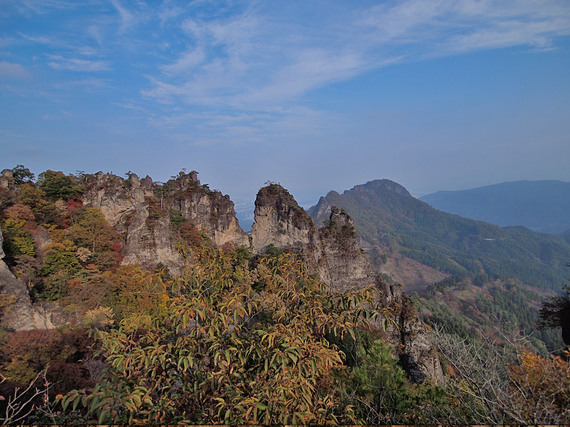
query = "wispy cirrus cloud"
x=254 y=59
x=214 y=127
x=42 y=6
x=187 y=62
x=74 y=64
x=132 y=14
x=447 y=27
x=88 y=85
x=42 y=40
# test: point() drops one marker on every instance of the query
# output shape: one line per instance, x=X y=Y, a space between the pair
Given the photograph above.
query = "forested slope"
x=495 y=275
x=385 y=214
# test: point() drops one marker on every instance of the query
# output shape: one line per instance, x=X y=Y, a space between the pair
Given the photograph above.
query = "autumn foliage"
x=540 y=387
x=235 y=343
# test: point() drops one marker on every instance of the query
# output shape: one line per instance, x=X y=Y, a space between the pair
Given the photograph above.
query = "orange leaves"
x=20 y=212
x=541 y=387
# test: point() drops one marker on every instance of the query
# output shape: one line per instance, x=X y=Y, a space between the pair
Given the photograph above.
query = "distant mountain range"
x=468 y=277
x=402 y=232
x=542 y=206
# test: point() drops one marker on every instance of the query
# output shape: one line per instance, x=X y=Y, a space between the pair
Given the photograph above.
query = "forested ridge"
x=384 y=212
x=235 y=337
x=494 y=274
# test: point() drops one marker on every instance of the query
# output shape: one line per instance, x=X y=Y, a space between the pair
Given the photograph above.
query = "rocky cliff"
x=332 y=250
x=280 y=221
x=334 y=253
x=17 y=312
x=148 y=215
x=342 y=263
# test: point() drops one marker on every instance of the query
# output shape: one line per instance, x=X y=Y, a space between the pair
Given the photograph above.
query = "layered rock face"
x=208 y=209
x=342 y=264
x=125 y=205
x=146 y=215
x=334 y=253
x=280 y=221
x=20 y=314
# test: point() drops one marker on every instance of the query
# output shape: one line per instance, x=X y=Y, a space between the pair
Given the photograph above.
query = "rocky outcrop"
x=334 y=253
x=280 y=221
x=341 y=262
x=205 y=208
x=17 y=313
x=127 y=205
x=6 y=177
x=418 y=356
x=147 y=215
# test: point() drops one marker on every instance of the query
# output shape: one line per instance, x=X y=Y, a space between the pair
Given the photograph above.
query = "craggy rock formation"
x=153 y=218
x=6 y=176
x=205 y=208
x=418 y=357
x=280 y=221
x=20 y=314
x=342 y=264
x=148 y=214
x=128 y=206
x=336 y=256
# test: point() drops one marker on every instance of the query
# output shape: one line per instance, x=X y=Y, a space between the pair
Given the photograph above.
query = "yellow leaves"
x=539 y=372
x=63 y=246
x=99 y=317
x=133 y=321
x=541 y=385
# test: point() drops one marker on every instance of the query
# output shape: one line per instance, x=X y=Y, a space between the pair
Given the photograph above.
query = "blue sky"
x=315 y=95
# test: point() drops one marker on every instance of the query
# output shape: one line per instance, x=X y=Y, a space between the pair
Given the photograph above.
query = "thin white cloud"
x=215 y=127
x=402 y=21
x=186 y=62
x=41 y=40
x=169 y=13
x=87 y=51
x=444 y=27
x=96 y=33
x=58 y=43
x=130 y=16
x=74 y=64
x=89 y=85
x=127 y=18
x=311 y=69
x=255 y=59
x=42 y=6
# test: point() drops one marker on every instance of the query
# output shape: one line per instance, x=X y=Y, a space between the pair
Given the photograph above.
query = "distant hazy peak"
x=382 y=184
x=539 y=205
